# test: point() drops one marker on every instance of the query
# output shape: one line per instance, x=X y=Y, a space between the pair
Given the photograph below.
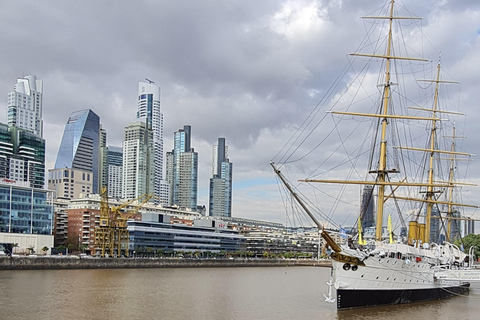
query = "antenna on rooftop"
x=149 y=81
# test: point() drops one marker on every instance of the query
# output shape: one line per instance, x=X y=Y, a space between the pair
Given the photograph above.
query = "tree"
x=468 y=241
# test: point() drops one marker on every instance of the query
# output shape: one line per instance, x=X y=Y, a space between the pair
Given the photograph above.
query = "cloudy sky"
x=245 y=70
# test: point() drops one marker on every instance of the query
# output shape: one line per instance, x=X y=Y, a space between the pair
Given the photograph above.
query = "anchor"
x=329 y=297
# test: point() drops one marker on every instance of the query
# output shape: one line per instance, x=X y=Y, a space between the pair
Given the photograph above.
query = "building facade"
x=114 y=171
x=138 y=173
x=26 y=217
x=24 y=105
x=367 y=208
x=22 y=156
x=80 y=145
x=220 y=199
x=183 y=161
x=70 y=183
x=149 y=109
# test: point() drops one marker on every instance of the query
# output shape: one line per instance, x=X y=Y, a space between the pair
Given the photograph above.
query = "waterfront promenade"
x=76 y=262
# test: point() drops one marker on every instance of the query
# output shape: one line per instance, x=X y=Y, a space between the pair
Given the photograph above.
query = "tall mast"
x=383 y=146
x=430 y=190
x=450 y=191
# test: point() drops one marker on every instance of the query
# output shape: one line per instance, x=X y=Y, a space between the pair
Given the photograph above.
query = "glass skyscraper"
x=149 y=109
x=183 y=161
x=220 y=200
x=80 y=146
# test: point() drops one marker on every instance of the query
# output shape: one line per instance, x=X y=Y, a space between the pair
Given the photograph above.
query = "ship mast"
x=430 y=191
x=381 y=174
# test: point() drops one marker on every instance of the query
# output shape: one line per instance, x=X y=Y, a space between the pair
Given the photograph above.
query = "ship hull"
x=349 y=299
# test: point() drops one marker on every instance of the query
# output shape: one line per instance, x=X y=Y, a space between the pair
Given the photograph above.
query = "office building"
x=183 y=161
x=220 y=203
x=26 y=217
x=366 y=211
x=149 y=110
x=80 y=145
x=24 y=105
x=22 y=157
x=114 y=165
x=70 y=183
x=138 y=171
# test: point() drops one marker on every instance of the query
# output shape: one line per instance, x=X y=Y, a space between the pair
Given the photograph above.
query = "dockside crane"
x=111 y=235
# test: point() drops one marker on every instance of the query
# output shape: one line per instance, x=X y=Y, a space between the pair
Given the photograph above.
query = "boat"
x=388 y=270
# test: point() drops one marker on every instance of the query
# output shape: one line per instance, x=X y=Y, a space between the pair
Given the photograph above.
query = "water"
x=200 y=293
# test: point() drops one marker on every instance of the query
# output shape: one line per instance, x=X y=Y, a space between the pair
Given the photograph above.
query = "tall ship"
x=408 y=147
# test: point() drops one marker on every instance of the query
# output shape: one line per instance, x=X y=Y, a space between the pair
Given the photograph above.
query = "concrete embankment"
x=45 y=263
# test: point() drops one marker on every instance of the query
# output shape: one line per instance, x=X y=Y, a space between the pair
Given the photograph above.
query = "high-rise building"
x=22 y=157
x=149 y=109
x=24 y=105
x=366 y=210
x=114 y=171
x=80 y=146
x=102 y=159
x=138 y=173
x=183 y=161
x=435 y=225
x=220 y=203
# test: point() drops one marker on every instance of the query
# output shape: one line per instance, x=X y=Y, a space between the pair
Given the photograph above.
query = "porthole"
x=354 y=267
x=346 y=266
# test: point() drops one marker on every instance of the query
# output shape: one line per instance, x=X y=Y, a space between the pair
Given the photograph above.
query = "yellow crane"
x=112 y=231
x=104 y=238
x=120 y=223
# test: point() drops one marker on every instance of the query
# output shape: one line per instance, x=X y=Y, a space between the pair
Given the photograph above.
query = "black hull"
x=349 y=299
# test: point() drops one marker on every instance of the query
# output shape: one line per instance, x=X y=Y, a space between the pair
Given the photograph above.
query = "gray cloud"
x=245 y=70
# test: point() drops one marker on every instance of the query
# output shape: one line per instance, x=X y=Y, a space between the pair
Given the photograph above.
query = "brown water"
x=200 y=293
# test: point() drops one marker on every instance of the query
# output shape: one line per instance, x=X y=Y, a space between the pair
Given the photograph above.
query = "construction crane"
x=104 y=238
x=121 y=233
x=112 y=231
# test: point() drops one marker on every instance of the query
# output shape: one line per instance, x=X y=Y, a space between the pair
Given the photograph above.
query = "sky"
x=248 y=71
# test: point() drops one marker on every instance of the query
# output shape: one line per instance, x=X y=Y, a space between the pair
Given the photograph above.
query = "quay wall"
x=55 y=263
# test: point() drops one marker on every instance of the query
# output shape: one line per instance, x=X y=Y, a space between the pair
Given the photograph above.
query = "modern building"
x=168 y=237
x=80 y=146
x=70 y=183
x=183 y=179
x=367 y=208
x=220 y=203
x=24 y=105
x=469 y=226
x=149 y=109
x=435 y=226
x=138 y=171
x=114 y=171
x=22 y=156
x=26 y=217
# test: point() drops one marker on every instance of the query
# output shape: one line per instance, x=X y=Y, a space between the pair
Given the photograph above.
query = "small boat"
x=406 y=179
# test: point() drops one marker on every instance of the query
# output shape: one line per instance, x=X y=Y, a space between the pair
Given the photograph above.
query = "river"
x=198 y=293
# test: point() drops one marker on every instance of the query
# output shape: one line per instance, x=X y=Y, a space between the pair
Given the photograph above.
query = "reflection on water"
x=197 y=293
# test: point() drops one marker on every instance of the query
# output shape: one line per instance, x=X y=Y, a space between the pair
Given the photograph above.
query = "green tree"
x=468 y=241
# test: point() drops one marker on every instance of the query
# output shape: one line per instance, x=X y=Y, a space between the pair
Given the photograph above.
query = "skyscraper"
x=220 y=203
x=366 y=211
x=138 y=173
x=24 y=105
x=114 y=171
x=80 y=146
x=149 y=109
x=183 y=161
